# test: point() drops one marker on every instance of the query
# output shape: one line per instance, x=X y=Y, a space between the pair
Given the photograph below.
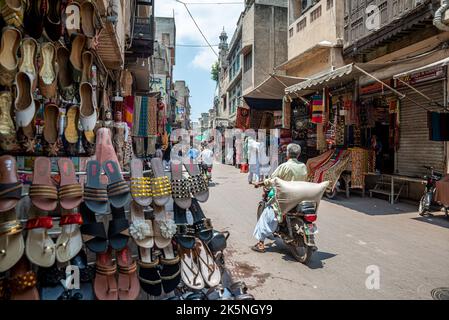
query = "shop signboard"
x=375 y=87
x=416 y=78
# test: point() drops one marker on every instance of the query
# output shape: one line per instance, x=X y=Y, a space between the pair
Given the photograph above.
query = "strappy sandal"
x=203 y=226
x=69 y=242
x=22 y=281
x=180 y=187
x=185 y=234
x=128 y=283
x=70 y=191
x=118 y=189
x=11 y=244
x=190 y=271
x=219 y=293
x=39 y=247
x=198 y=185
x=141 y=229
x=209 y=269
x=10 y=187
x=140 y=186
x=105 y=284
x=118 y=231
x=93 y=232
x=95 y=193
x=43 y=192
x=171 y=270
x=164 y=228
x=240 y=291
x=149 y=278
x=160 y=184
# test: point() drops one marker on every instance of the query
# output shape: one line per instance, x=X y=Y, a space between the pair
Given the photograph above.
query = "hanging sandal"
x=12 y=244
x=70 y=190
x=203 y=226
x=118 y=231
x=140 y=185
x=43 y=192
x=128 y=283
x=190 y=271
x=118 y=189
x=47 y=72
x=105 y=284
x=164 y=228
x=93 y=233
x=51 y=116
x=28 y=53
x=65 y=77
x=12 y=12
x=8 y=136
x=171 y=269
x=160 y=184
x=39 y=247
x=95 y=193
x=10 y=187
x=22 y=281
x=69 y=242
x=10 y=42
x=52 y=20
x=180 y=187
x=198 y=185
x=185 y=234
x=141 y=229
x=150 y=280
x=209 y=269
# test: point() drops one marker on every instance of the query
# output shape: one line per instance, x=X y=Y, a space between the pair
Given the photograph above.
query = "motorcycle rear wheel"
x=300 y=251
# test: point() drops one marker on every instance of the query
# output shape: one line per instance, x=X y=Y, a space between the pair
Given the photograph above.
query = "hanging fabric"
x=242 y=119
x=129 y=109
x=286 y=112
x=152 y=116
x=317 y=109
x=438 y=123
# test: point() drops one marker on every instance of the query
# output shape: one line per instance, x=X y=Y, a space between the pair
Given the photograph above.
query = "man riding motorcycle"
x=292 y=170
x=207 y=160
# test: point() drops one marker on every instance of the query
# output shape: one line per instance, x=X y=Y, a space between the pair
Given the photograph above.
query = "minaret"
x=223 y=47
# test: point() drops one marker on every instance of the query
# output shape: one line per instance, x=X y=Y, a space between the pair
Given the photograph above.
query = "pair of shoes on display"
x=185 y=188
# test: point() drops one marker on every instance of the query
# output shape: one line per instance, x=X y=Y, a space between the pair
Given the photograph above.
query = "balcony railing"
x=143 y=37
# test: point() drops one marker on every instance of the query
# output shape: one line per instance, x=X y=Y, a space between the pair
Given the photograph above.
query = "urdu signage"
x=422 y=76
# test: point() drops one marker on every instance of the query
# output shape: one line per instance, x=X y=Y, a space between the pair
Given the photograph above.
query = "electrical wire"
x=199 y=29
x=196 y=45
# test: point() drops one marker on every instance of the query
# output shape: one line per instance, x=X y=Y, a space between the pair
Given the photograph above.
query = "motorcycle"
x=426 y=204
x=298 y=228
x=207 y=171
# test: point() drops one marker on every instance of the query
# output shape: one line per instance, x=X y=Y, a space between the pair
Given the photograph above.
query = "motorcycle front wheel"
x=300 y=251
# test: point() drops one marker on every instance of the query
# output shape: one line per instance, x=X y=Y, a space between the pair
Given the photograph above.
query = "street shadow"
x=213 y=184
x=437 y=219
x=372 y=206
x=278 y=246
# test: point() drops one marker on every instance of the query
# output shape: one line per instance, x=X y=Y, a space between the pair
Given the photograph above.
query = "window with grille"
x=301 y=25
x=315 y=14
x=330 y=4
x=248 y=61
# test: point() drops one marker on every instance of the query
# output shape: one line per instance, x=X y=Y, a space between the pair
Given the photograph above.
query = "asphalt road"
x=356 y=236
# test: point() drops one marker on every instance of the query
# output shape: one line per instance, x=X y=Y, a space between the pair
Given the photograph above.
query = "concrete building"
x=182 y=109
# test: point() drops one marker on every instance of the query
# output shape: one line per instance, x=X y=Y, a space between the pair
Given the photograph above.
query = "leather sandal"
x=70 y=190
x=22 y=281
x=43 y=192
x=160 y=184
x=28 y=53
x=149 y=277
x=140 y=186
x=180 y=187
x=10 y=43
x=203 y=226
x=69 y=242
x=88 y=108
x=65 y=77
x=25 y=107
x=171 y=270
x=8 y=137
x=39 y=247
x=12 y=12
x=51 y=116
x=209 y=269
x=105 y=284
x=47 y=73
x=118 y=189
x=93 y=232
x=164 y=228
x=198 y=185
x=33 y=20
x=71 y=130
x=190 y=271
x=52 y=20
x=95 y=193
x=118 y=231
x=10 y=186
x=128 y=282
x=78 y=44
x=141 y=229
x=88 y=60
x=89 y=18
x=12 y=244
x=185 y=234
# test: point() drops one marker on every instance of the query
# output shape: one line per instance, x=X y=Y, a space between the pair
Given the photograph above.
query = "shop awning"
x=273 y=87
x=440 y=63
x=264 y=104
x=339 y=76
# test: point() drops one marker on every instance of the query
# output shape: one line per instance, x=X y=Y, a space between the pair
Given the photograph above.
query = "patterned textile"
x=314 y=163
x=359 y=166
x=152 y=117
x=161 y=118
x=340 y=132
x=371 y=161
x=286 y=114
x=320 y=138
x=142 y=126
x=256 y=119
x=136 y=115
x=333 y=168
x=317 y=109
x=243 y=118
x=129 y=109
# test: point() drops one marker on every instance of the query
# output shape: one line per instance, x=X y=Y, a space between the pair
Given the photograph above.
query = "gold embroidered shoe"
x=8 y=55
x=12 y=12
x=8 y=139
x=47 y=73
x=28 y=52
x=65 y=81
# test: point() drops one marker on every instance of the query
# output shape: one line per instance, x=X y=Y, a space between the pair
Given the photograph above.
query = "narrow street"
x=411 y=252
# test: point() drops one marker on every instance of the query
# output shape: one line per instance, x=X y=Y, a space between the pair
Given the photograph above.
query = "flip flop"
x=39 y=247
x=141 y=229
x=95 y=193
x=190 y=271
x=160 y=184
x=149 y=278
x=140 y=185
x=43 y=192
x=198 y=185
x=12 y=244
x=209 y=269
x=22 y=281
x=118 y=189
x=69 y=242
x=128 y=283
x=171 y=270
x=105 y=284
x=71 y=130
x=185 y=234
x=118 y=231
x=104 y=150
x=93 y=232
x=203 y=226
x=10 y=187
x=180 y=187
x=164 y=228
x=70 y=191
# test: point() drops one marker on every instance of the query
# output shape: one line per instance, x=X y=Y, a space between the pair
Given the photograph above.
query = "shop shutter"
x=416 y=150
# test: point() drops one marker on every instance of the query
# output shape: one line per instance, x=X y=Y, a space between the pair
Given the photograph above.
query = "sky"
x=194 y=64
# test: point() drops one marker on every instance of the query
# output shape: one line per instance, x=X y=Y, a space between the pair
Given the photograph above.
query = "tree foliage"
x=214 y=71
